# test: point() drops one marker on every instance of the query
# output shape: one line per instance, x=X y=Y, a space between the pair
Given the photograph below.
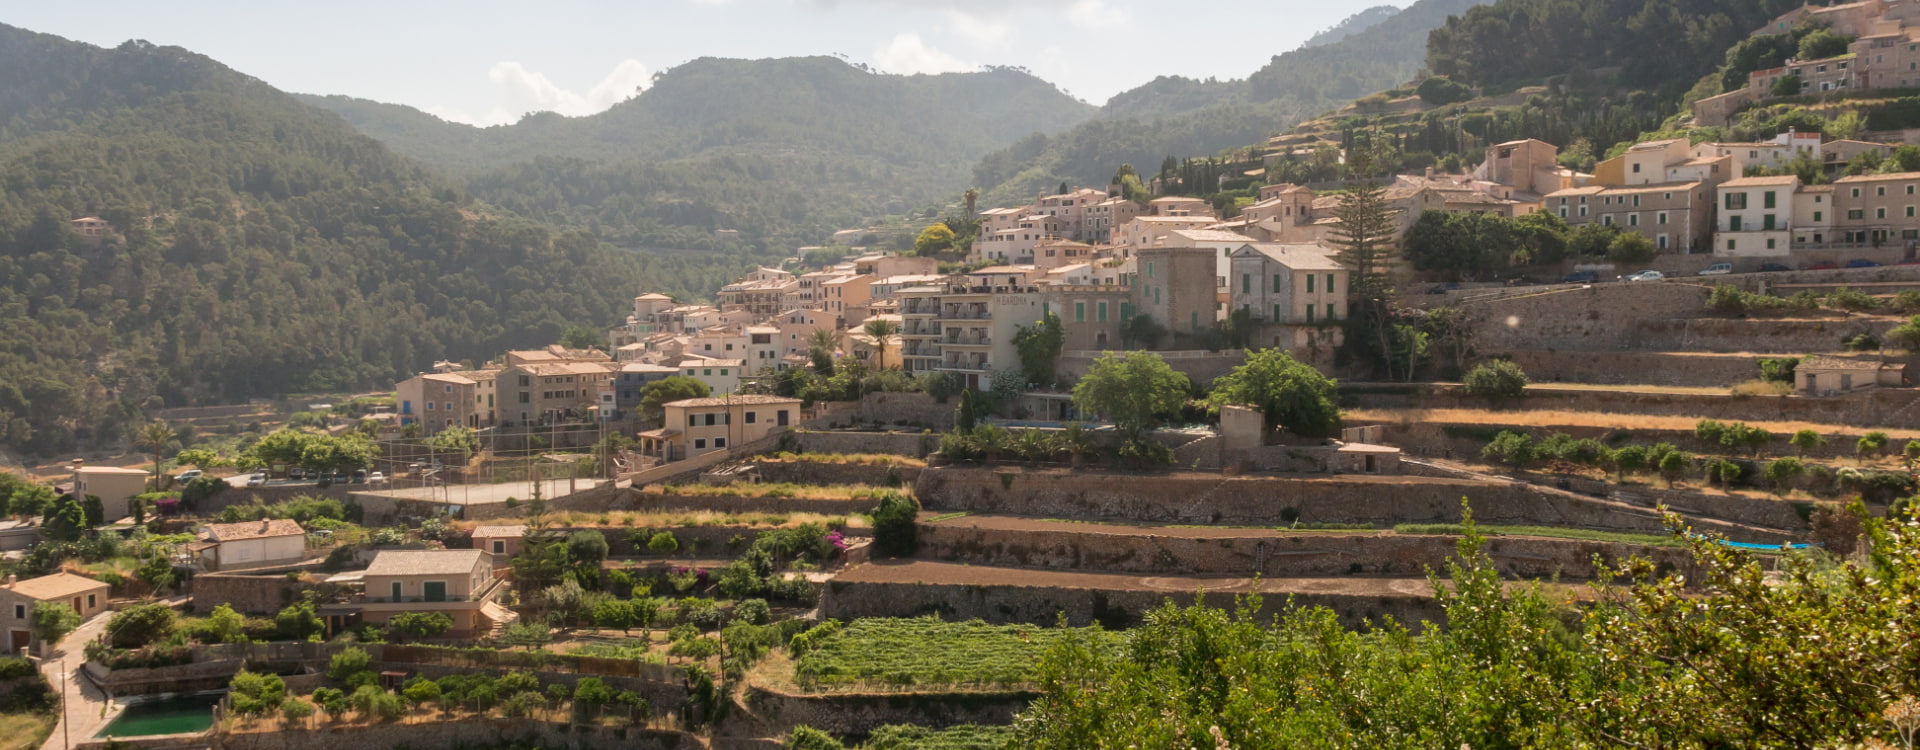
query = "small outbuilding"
x=1830 y=376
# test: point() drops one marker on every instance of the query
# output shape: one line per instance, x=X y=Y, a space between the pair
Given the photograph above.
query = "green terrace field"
x=964 y=737
x=926 y=651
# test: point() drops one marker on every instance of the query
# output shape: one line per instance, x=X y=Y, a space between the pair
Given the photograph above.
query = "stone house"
x=114 y=485
x=1827 y=376
x=698 y=426
x=86 y=595
x=458 y=583
x=250 y=544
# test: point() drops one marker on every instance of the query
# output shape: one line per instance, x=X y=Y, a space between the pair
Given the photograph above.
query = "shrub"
x=1906 y=335
x=894 y=518
x=141 y=624
x=1778 y=370
x=1499 y=379
x=255 y=694
x=663 y=543
x=349 y=662
x=1851 y=300
x=1861 y=342
x=753 y=612
x=1514 y=449
x=807 y=738
x=1871 y=444
x=414 y=626
x=372 y=702
x=52 y=621
x=1727 y=299
x=295 y=709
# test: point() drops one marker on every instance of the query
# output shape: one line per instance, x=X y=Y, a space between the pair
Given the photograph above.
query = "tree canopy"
x=1293 y=395
x=1134 y=389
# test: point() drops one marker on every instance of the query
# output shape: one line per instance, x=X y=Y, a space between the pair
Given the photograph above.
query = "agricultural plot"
x=927 y=651
x=965 y=737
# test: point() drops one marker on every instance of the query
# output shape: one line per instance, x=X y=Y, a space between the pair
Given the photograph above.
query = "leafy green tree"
x=1291 y=394
x=531 y=635
x=1628 y=248
x=140 y=624
x=587 y=547
x=52 y=621
x=1627 y=459
x=1672 y=465
x=1135 y=390
x=807 y=738
x=1039 y=346
x=1498 y=379
x=1142 y=331
x=253 y=694
x=1786 y=85
x=1822 y=43
x=65 y=521
x=1781 y=472
x=459 y=440
x=1514 y=449
x=1438 y=91
x=296 y=710
x=1806 y=440
x=199 y=458
x=414 y=626
x=223 y=625
x=299 y=621
x=668 y=390
x=156 y=572
x=894 y=524
x=663 y=543
x=933 y=240
x=615 y=614
x=582 y=337
x=1871 y=445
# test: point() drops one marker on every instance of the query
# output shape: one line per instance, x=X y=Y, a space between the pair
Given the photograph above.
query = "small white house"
x=251 y=544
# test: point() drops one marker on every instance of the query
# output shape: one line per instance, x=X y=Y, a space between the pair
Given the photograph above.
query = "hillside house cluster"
x=1884 y=54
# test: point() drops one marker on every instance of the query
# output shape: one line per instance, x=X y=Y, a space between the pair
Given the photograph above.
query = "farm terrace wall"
x=435 y=735
x=915 y=444
x=1267 y=553
x=860 y=713
x=1883 y=408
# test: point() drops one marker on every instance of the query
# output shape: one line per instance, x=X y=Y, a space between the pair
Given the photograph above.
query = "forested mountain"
x=1653 y=43
x=263 y=247
x=785 y=150
x=1353 y=24
x=1182 y=117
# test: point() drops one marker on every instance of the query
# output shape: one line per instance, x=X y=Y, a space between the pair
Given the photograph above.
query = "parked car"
x=1822 y=266
x=1443 y=288
x=1647 y=276
x=1862 y=263
x=1580 y=277
x=1774 y=267
x=1718 y=269
x=378 y=477
x=296 y=473
x=188 y=476
x=340 y=476
x=359 y=476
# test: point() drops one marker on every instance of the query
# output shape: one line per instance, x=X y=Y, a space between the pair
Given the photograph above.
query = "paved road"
x=85 y=710
x=482 y=494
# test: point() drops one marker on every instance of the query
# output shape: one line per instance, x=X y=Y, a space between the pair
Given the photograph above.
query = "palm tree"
x=157 y=437
x=881 y=329
x=824 y=338
x=972 y=197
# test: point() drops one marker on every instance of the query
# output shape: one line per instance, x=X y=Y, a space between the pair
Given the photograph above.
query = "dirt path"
x=84 y=710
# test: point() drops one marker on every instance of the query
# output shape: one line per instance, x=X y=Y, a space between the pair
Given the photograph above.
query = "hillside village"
x=1211 y=455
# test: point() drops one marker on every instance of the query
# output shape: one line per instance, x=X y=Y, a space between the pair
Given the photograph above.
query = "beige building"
x=114 y=485
x=1151 y=231
x=1104 y=218
x=1876 y=210
x=1178 y=288
x=458 y=583
x=499 y=542
x=542 y=393
x=702 y=425
x=251 y=544
x=846 y=297
x=1675 y=217
x=1828 y=376
x=721 y=375
x=1756 y=216
x=85 y=595
x=436 y=401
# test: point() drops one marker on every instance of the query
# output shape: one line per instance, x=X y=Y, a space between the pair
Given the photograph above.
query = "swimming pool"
x=184 y=714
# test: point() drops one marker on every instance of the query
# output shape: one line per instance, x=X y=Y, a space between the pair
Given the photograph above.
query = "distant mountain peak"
x=1353 y=24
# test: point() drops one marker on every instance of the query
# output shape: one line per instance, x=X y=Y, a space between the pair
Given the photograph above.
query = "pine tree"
x=1366 y=243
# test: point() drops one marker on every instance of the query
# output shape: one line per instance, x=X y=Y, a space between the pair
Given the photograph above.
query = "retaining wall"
x=857 y=714
x=810 y=472
x=915 y=443
x=1269 y=554
x=1885 y=408
x=248 y=594
x=490 y=732
x=917 y=410
x=1112 y=608
x=647 y=501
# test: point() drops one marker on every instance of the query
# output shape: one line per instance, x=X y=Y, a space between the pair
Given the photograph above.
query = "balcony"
x=967 y=341
x=967 y=366
x=958 y=314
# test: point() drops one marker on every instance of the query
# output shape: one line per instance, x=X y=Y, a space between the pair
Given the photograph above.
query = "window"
x=723 y=372
x=1276 y=312
x=706 y=371
x=1309 y=313
x=1736 y=201
x=1246 y=283
x=1633 y=220
x=1879 y=213
x=1583 y=211
x=394 y=589
x=1100 y=312
x=1769 y=244
x=19 y=611
x=1729 y=244
x=1329 y=283
x=1856 y=192
x=1819 y=216
x=1766 y=222
x=92 y=601
x=1636 y=168
x=1733 y=223
x=1661 y=242
x=780 y=418
x=1607 y=220
x=719 y=442
x=499 y=547
x=1880 y=191
x=1309 y=283
x=1079 y=312
x=434 y=591
x=1660 y=218
x=753 y=417
x=1855 y=213
x=1636 y=201
x=699 y=444
x=1150 y=263
x=1909 y=212
x=1766 y=199
x=710 y=420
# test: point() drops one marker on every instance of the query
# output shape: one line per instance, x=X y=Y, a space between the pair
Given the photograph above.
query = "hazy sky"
x=488 y=62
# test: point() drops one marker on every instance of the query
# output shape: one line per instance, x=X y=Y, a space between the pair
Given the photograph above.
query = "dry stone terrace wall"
x=1267 y=553
x=858 y=714
x=1758 y=335
x=248 y=594
x=1602 y=317
x=635 y=500
x=810 y=472
x=491 y=732
x=913 y=443
x=1879 y=407
x=909 y=409
x=1642 y=368
x=1112 y=608
x=1254 y=500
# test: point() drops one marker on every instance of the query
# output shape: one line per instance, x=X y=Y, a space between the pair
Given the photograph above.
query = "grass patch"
x=689 y=519
x=27 y=731
x=927 y=651
x=1758 y=387
x=1454 y=529
x=636 y=650
x=851 y=459
x=963 y=737
x=948 y=516
x=775 y=490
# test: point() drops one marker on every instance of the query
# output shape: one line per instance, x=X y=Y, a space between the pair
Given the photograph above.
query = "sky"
x=488 y=62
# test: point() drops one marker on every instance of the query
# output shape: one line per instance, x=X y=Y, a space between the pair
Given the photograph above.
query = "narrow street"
x=84 y=710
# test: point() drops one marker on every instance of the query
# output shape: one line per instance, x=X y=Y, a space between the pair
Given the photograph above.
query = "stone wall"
x=1880 y=407
x=1759 y=335
x=490 y=732
x=1113 y=608
x=857 y=714
x=1267 y=553
x=248 y=594
x=1247 y=500
x=648 y=501
x=917 y=410
x=1644 y=368
x=1202 y=366
x=1598 y=318
x=813 y=472
x=915 y=444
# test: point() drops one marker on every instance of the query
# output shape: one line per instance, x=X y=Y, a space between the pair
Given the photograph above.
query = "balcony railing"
x=974 y=366
x=968 y=341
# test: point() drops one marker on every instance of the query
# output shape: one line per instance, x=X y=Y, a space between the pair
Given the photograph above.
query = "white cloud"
x=1096 y=14
x=907 y=54
x=979 y=29
x=520 y=90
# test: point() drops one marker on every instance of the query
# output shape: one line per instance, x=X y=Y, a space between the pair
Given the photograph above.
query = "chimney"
x=264 y=524
x=1429 y=173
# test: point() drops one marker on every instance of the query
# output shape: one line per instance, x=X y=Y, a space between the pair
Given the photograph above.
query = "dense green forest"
x=1655 y=44
x=786 y=151
x=1183 y=117
x=264 y=247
